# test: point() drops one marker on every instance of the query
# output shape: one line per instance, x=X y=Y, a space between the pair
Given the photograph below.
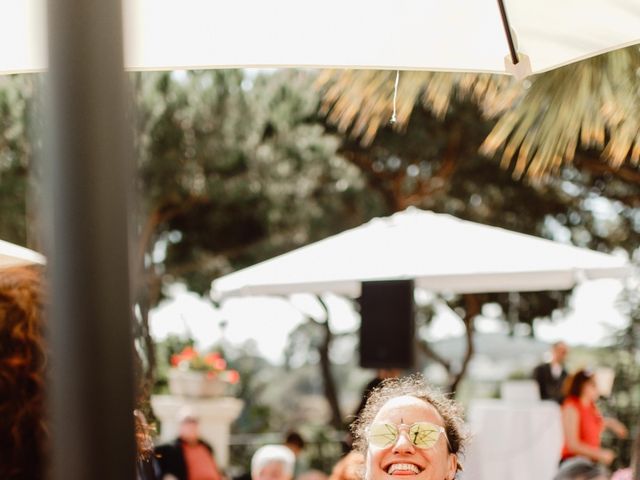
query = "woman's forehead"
x=408 y=409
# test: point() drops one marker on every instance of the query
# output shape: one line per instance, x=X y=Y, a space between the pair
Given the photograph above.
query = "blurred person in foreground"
x=582 y=422
x=188 y=457
x=23 y=356
x=550 y=376
x=272 y=462
x=408 y=429
x=580 y=468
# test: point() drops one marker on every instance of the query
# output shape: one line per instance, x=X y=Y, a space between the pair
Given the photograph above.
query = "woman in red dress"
x=583 y=423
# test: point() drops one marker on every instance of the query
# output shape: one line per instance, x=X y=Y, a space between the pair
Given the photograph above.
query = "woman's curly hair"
x=414 y=386
x=23 y=431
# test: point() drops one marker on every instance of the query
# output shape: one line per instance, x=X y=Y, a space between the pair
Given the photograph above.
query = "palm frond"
x=593 y=104
x=361 y=101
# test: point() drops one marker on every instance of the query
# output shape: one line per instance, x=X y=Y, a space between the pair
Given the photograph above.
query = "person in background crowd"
x=313 y=475
x=294 y=442
x=23 y=357
x=349 y=467
x=188 y=457
x=579 y=468
x=272 y=462
x=408 y=429
x=632 y=472
x=550 y=376
x=623 y=474
x=582 y=422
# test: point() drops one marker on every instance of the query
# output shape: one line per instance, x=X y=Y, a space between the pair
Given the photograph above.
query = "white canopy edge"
x=474 y=258
x=457 y=35
x=491 y=283
x=12 y=255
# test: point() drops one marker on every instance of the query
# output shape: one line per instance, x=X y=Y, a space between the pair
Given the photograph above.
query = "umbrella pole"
x=515 y=59
x=87 y=178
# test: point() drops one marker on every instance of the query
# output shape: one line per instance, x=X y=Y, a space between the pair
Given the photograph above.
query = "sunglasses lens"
x=424 y=435
x=382 y=435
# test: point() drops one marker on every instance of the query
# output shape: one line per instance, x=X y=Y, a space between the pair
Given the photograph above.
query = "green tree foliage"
x=624 y=358
x=17 y=94
x=235 y=168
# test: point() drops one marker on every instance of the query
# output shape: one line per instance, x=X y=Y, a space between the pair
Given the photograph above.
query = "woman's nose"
x=403 y=444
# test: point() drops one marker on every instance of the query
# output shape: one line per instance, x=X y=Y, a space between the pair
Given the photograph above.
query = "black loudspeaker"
x=387 y=328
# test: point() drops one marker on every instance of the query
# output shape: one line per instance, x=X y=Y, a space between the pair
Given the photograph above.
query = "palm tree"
x=542 y=122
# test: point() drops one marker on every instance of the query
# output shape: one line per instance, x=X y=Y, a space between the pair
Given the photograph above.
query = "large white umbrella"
x=439 y=252
x=12 y=255
x=451 y=35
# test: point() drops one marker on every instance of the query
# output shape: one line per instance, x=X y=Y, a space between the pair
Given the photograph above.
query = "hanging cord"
x=394 y=117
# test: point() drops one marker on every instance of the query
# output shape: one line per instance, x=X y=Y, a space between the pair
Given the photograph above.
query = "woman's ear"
x=453 y=466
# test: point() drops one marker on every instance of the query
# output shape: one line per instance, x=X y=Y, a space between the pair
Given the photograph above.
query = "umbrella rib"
x=507 y=30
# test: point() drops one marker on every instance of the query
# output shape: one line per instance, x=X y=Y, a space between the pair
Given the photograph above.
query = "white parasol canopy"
x=452 y=35
x=439 y=252
x=12 y=255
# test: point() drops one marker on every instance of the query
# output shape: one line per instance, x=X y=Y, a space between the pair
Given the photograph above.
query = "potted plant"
x=195 y=375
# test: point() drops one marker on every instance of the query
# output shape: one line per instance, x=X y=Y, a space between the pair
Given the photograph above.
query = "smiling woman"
x=407 y=429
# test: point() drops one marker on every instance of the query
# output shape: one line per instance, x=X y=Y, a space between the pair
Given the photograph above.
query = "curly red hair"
x=23 y=431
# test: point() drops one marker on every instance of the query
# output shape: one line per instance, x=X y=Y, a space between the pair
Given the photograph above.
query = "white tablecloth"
x=513 y=441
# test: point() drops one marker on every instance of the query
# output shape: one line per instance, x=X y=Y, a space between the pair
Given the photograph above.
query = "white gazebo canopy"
x=12 y=255
x=451 y=35
x=439 y=252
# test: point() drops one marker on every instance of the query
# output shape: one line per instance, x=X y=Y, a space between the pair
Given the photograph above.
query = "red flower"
x=219 y=364
x=188 y=353
x=212 y=358
x=211 y=364
x=233 y=377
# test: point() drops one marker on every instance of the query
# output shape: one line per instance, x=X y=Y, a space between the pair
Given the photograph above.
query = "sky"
x=268 y=321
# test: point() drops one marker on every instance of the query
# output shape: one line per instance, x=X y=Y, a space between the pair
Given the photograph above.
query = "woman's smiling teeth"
x=403 y=469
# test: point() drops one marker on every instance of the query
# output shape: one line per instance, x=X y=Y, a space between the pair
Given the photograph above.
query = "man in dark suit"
x=551 y=375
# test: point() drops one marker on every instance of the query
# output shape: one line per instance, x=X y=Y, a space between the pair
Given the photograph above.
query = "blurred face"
x=273 y=471
x=401 y=459
x=189 y=431
x=560 y=352
x=590 y=390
